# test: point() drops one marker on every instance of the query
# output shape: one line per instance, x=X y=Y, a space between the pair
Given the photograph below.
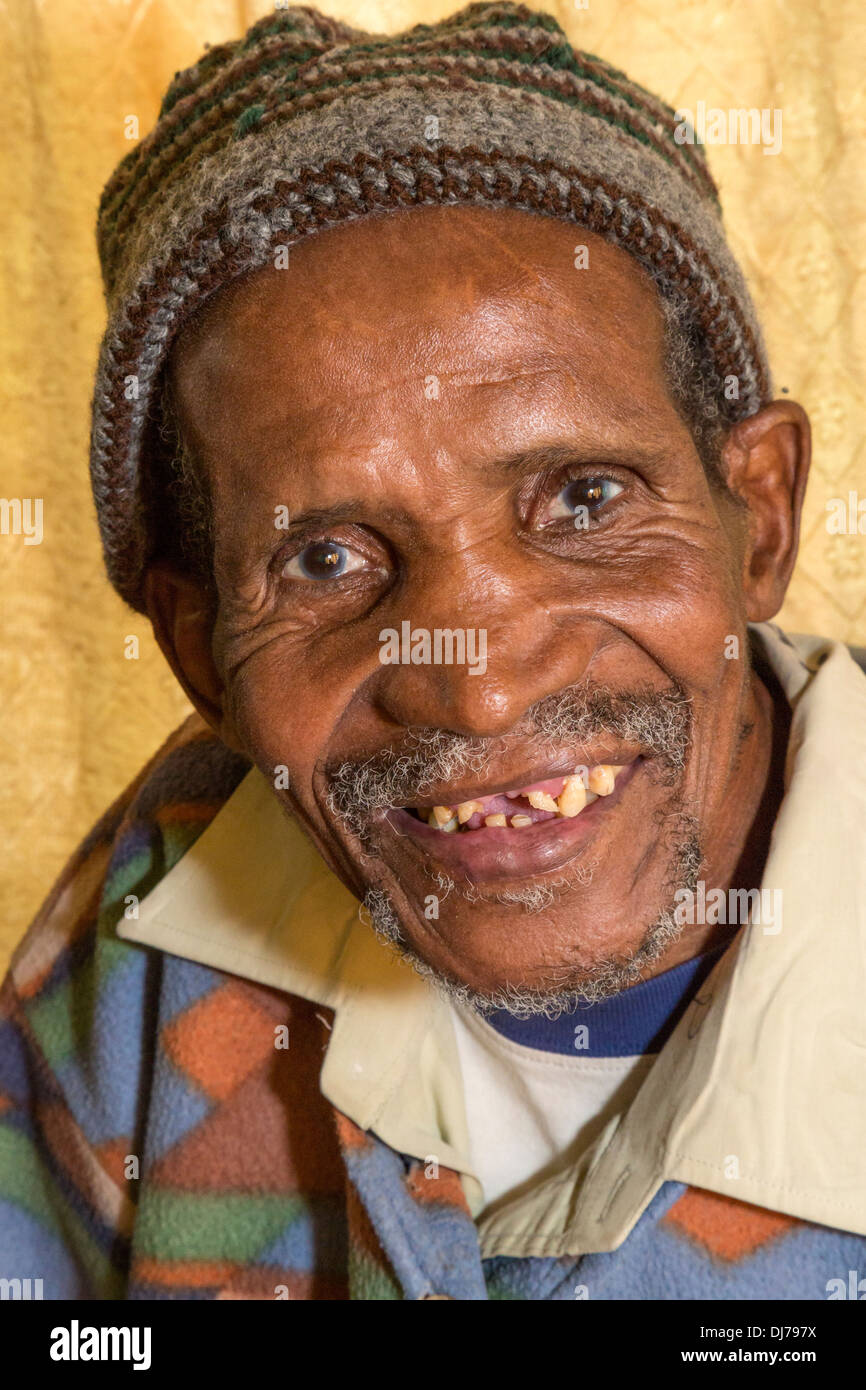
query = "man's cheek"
x=689 y=615
x=282 y=726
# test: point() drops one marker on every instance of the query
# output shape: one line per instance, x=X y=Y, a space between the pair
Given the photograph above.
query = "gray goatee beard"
x=565 y=986
x=657 y=722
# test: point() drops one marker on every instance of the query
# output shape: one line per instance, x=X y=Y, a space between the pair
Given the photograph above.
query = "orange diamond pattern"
x=220 y=1040
x=725 y=1227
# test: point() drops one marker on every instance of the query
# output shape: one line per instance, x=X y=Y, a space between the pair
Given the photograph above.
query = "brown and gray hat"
x=305 y=122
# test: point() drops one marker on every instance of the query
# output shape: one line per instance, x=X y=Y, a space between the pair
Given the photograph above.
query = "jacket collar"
x=253 y=898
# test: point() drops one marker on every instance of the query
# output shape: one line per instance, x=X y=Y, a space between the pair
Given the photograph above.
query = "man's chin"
x=561 y=967
x=550 y=990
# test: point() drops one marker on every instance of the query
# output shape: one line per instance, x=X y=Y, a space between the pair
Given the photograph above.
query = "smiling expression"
x=433 y=418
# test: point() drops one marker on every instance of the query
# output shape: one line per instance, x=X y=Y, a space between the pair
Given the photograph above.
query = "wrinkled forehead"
x=425 y=303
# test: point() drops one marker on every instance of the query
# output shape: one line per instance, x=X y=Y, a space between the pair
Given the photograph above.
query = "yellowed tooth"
x=572 y=798
x=542 y=801
x=602 y=779
x=520 y=821
x=441 y=815
x=495 y=820
x=467 y=809
x=450 y=826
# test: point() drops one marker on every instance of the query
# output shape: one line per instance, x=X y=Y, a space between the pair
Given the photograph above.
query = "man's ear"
x=766 y=463
x=182 y=610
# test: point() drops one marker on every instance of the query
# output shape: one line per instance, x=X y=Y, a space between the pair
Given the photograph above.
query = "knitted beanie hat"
x=305 y=122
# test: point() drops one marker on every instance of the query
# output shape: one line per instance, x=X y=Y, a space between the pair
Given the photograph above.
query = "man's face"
x=436 y=419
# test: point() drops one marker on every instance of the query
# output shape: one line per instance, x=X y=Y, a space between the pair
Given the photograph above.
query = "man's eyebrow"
x=348 y=509
x=581 y=452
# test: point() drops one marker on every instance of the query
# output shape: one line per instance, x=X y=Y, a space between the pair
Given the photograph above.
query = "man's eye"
x=581 y=497
x=323 y=560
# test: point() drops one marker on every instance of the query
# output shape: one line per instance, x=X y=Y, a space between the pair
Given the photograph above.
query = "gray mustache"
x=658 y=722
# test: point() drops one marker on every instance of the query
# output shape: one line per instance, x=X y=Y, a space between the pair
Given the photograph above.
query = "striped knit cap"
x=305 y=122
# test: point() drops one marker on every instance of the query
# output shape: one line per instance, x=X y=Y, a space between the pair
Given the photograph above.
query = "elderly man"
x=491 y=931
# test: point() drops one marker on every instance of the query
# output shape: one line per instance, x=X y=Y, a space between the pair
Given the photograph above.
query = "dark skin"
x=309 y=388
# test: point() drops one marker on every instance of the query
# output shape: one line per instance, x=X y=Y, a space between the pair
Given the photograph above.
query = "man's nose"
x=518 y=648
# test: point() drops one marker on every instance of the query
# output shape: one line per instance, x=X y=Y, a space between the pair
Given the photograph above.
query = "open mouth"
x=556 y=798
x=517 y=833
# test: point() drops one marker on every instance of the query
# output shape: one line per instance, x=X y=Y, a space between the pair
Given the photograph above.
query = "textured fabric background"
x=79 y=718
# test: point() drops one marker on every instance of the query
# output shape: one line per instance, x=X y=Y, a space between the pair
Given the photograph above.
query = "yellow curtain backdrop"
x=79 y=716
